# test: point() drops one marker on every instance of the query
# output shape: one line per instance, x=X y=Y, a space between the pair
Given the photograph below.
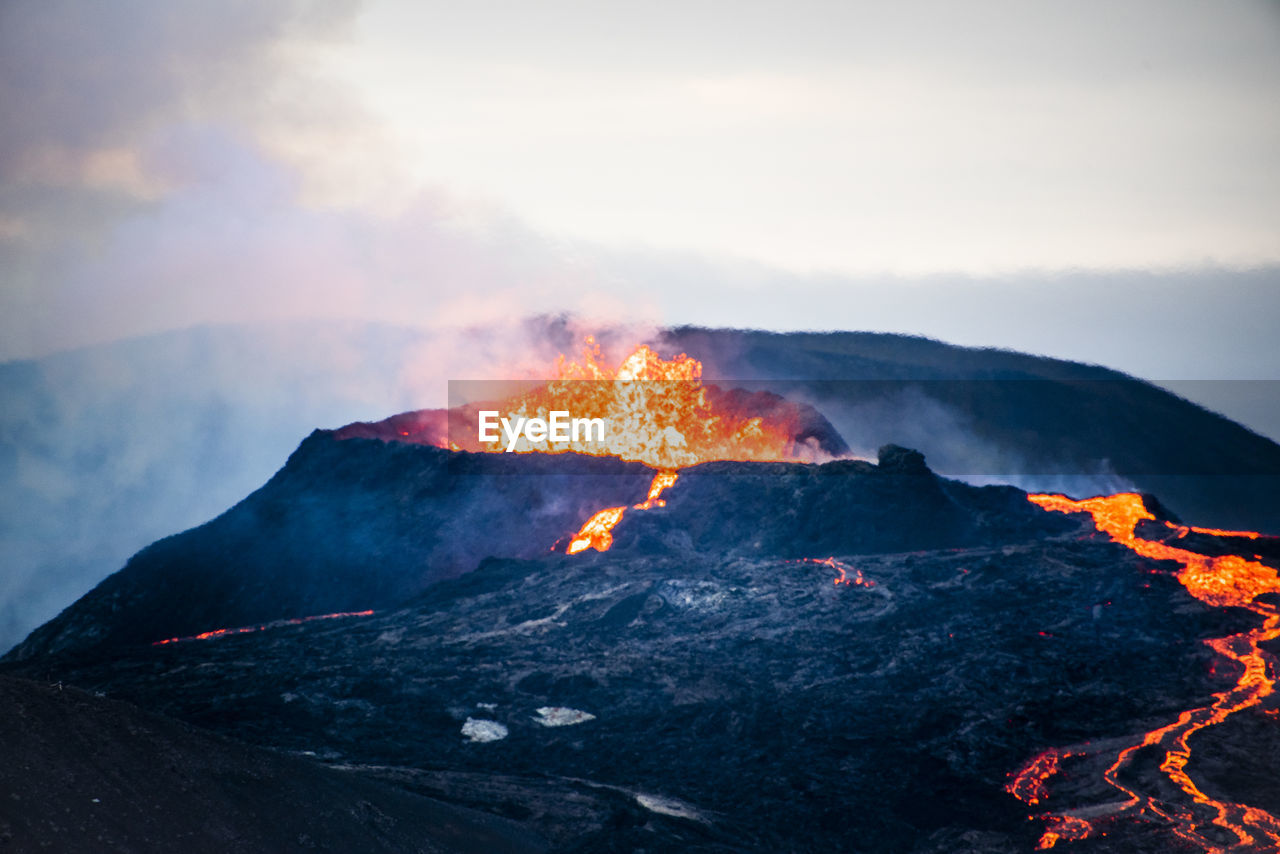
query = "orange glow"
x=1227 y=581
x=1183 y=530
x=658 y=413
x=857 y=578
x=1064 y=827
x=241 y=630
x=661 y=481
x=1220 y=581
x=1028 y=785
x=597 y=533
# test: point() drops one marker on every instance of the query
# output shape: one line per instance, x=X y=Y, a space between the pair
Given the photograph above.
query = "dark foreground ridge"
x=708 y=684
x=357 y=524
x=737 y=703
x=87 y=774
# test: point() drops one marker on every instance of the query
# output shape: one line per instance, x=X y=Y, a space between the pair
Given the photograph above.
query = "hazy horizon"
x=1010 y=174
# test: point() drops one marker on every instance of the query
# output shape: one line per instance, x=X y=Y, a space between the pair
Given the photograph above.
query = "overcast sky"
x=1095 y=180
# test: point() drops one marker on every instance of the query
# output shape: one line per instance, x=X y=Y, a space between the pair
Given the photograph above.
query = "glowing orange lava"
x=857 y=578
x=658 y=412
x=661 y=481
x=242 y=630
x=1030 y=784
x=597 y=533
x=1218 y=581
x=1183 y=530
x=1063 y=827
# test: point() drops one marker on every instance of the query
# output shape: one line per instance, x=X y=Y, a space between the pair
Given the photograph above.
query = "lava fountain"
x=660 y=413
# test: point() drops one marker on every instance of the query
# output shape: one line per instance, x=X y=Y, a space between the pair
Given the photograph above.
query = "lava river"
x=1194 y=817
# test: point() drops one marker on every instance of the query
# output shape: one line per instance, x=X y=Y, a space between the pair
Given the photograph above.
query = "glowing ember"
x=661 y=481
x=242 y=630
x=1063 y=827
x=1028 y=785
x=1183 y=530
x=597 y=533
x=658 y=412
x=844 y=577
x=1218 y=581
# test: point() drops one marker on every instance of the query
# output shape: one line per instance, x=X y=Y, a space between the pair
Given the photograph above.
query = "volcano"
x=774 y=653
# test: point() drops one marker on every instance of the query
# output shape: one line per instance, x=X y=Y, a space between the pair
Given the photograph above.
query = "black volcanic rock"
x=355 y=524
x=740 y=703
x=847 y=506
x=723 y=684
x=898 y=460
x=87 y=774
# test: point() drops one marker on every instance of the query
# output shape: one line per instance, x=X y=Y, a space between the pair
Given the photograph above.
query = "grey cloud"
x=83 y=75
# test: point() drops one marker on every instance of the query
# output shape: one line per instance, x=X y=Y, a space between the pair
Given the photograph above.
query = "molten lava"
x=597 y=533
x=657 y=410
x=1030 y=784
x=1218 y=581
x=1183 y=530
x=857 y=578
x=658 y=413
x=661 y=481
x=1063 y=827
x=242 y=630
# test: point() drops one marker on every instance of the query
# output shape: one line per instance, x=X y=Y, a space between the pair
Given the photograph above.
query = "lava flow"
x=1222 y=581
x=243 y=630
x=659 y=413
x=857 y=578
x=597 y=533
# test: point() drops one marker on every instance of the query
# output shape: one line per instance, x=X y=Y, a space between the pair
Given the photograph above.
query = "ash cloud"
x=160 y=166
x=143 y=188
x=92 y=76
x=106 y=449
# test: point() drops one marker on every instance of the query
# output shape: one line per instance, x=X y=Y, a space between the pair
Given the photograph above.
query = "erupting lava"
x=659 y=413
x=597 y=533
x=1223 y=581
x=243 y=630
